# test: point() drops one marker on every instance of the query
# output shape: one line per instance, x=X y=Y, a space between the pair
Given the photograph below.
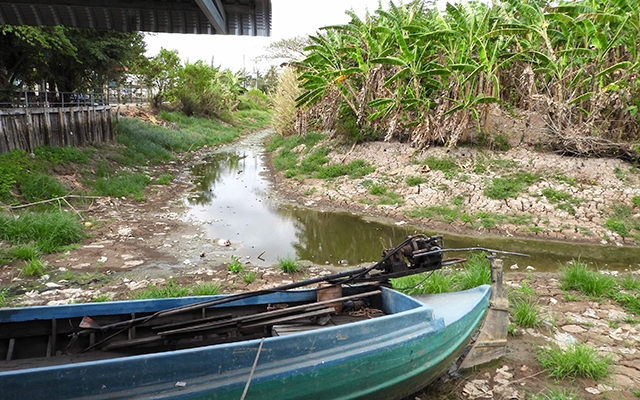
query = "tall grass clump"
x=206 y=289
x=288 y=264
x=284 y=103
x=525 y=312
x=577 y=361
x=48 y=231
x=578 y=277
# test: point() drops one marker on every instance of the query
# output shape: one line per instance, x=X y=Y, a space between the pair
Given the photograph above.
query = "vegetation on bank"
x=424 y=75
x=42 y=213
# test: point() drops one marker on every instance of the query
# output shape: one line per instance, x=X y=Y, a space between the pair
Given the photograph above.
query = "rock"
x=592 y=390
x=573 y=329
x=52 y=285
x=224 y=242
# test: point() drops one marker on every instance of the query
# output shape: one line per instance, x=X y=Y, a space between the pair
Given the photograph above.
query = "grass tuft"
x=578 y=361
x=235 y=266
x=578 y=277
x=34 y=267
x=288 y=264
x=125 y=185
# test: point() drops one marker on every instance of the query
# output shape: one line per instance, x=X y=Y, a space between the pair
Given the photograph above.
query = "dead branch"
x=58 y=199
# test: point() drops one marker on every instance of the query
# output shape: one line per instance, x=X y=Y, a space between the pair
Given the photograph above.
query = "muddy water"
x=232 y=198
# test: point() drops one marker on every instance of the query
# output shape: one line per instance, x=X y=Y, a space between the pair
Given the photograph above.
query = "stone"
x=573 y=329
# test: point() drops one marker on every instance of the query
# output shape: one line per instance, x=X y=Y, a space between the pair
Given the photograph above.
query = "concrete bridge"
x=223 y=17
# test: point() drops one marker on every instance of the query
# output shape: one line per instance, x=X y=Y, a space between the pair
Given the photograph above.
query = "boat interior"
x=77 y=338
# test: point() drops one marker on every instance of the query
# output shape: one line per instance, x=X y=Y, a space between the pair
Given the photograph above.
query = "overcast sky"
x=289 y=18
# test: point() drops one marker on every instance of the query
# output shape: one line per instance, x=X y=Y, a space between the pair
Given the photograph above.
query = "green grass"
x=12 y=167
x=509 y=186
x=578 y=277
x=447 y=165
x=124 y=185
x=172 y=289
x=4 y=297
x=555 y=394
x=288 y=264
x=37 y=186
x=355 y=169
x=525 y=312
x=101 y=298
x=414 y=180
x=205 y=289
x=47 y=231
x=476 y=271
x=63 y=155
x=164 y=179
x=630 y=282
x=441 y=213
x=250 y=276
x=34 y=267
x=578 y=361
x=24 y=252
x=235 y=266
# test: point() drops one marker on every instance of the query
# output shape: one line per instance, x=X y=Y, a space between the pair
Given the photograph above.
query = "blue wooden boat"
x=228 y=351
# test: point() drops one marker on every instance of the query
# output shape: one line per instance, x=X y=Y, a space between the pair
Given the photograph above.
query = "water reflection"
x=232 y=194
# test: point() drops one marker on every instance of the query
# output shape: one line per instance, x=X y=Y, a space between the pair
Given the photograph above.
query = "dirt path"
x=133 y=244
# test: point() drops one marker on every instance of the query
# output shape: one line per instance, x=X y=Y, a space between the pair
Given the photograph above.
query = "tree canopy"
x=72 y=59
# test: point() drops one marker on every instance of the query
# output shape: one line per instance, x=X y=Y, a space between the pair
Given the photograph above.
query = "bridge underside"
x=225 y=17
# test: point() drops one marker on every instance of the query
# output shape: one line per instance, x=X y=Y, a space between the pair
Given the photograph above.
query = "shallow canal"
x=232 y=197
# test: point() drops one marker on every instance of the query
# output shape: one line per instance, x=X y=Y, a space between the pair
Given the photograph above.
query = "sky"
x=289 y=18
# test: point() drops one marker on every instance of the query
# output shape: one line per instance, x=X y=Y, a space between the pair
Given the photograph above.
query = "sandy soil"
x=133 y=244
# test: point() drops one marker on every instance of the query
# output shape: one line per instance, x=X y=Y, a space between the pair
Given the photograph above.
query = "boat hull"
x=388 y=357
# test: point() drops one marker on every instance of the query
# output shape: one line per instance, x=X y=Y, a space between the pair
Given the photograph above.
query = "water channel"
x=233 y=197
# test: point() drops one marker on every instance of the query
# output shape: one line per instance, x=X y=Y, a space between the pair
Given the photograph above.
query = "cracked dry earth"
x=133 y=244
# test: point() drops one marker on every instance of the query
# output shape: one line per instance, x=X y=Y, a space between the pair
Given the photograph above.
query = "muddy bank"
x=570 y=199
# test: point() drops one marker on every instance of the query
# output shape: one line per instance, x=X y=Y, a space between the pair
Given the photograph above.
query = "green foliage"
x=314 y=161
x=152 y=291
x=254 y=99
x=101 y=298
x=509 y=186
x=63 y=155
x=48 y=231
x=4 y=297
x=445 y=164
x=288 y=264
x=250 y=276
x=34 y=267
x=525 y=312
x=205 y=289
x=24 y=252
x=415 y=180
x=476 y=272
x=124 y=185
x=235 y=266
x=555 y=394
x=636 y=201
x=630 y=282
x=12 y=166
x=36 y=187
x=355 y=169
x=164 y=179
x=578 y=277
x=578 y=361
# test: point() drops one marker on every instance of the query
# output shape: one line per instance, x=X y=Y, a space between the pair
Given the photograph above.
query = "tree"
x=160 y=74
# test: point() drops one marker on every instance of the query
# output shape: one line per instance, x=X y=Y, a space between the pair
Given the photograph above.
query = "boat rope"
x=253 y=368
